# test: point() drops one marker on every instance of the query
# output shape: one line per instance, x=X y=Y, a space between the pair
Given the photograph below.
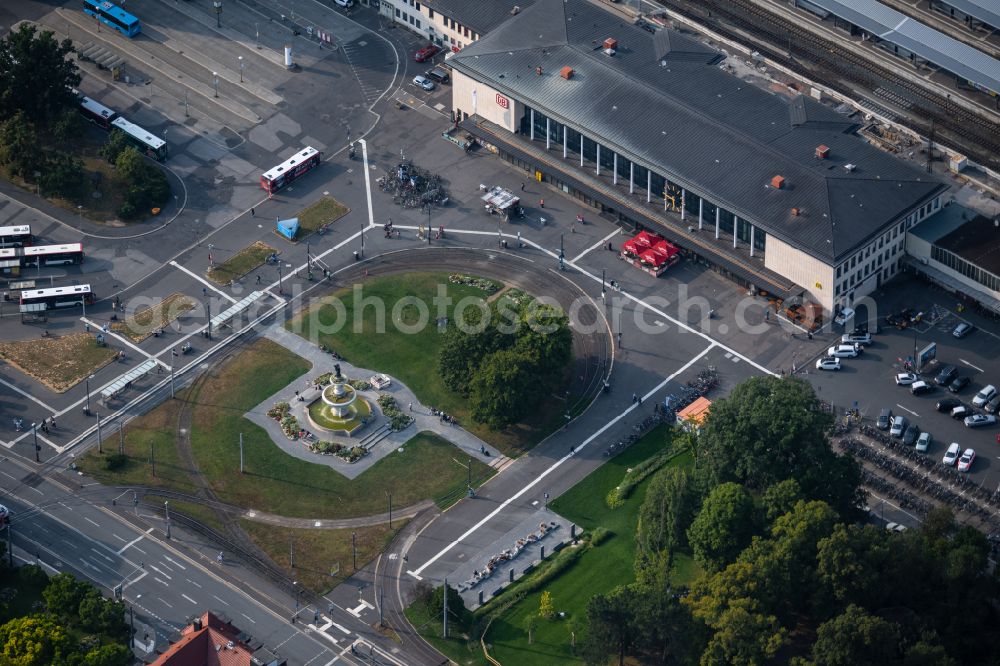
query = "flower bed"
x=348 y=453
x=281 y=412
x=398 y=420
x=489 y=286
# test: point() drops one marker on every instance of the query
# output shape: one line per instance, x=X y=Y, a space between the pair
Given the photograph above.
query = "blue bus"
x=112 y=15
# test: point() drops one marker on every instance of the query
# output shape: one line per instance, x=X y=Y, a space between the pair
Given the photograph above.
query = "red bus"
x=305 y=160
x=52 y=255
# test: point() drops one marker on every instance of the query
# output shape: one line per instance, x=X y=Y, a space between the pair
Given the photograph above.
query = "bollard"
x=511 y=574
x=572 y=531
x=542 y=556
x=480 y=597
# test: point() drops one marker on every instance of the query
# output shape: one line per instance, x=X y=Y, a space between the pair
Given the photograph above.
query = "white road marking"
x=907 y=410
x=130 y=544
x=91 y=522
x=323 y=634
x=139 y=549
x=249 y=618
x=28 y=396
x=974 y=367
x=189 y=599
x=125 y=341
x=203 y=281
x=159 y=571
x=596 y=245
x=118 y=537
x=344 y=631
x=165 y=603
x=174 y=562
x=103 y=555
x=559 y=462
x=194 y=583
x=221 y=601
x=161 y=582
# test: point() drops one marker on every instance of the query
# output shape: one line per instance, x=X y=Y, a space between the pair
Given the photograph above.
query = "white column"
x=532 y=124
x=649 y=186
x=631 y=177
x=716 y=223
x=598 y=157
x=581 y=149
x=752 y=230
x=683 y=200
x=565 y=139
x=701 y=208
x=614 y=167
x=736 y=222
x=548 y=134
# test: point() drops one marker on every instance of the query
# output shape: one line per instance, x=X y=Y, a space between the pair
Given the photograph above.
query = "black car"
x=948 y=404
x=946 y=376
x=884 y=419
x=911 y=434
x=959 y=384
x=993 y=406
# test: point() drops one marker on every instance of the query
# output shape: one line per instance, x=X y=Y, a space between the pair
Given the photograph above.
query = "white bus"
x=52 y=255
x=59 y=297
x=145 y=141
x=18 y=236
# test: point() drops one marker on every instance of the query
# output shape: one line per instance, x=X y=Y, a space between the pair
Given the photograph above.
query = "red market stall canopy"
x=643 y=241
x=660 y=253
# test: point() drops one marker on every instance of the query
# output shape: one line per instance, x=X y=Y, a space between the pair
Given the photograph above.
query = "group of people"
x=479 y=575
x=445 y=418
x=389 y=230
x=45 y=426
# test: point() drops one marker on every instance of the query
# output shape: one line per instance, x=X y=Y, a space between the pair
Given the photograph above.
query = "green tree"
x=63 y=595
x=928 y=652
x=19 y=146
x=36 y=76
x=62 y=175
x=856 y=638
x=779 y=499
x=116 y=144
x=69 y=125
x=501 y=392
x=103 y=616
x=131 y=166
x=723 y=527
x=115 y=654
x=852 y=563
x=34 y=640
x=744 y=635
x=530 y=623
x=666 y=512
x=664 y=627
x=611 y=626
x=459 y=617
x=770 y=429
x=463 y=351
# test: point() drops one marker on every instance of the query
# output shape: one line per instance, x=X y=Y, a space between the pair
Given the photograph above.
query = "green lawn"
x=598 y=570
x=274 y=481
x=324 y=211
x=411 y=356
x=241 y=263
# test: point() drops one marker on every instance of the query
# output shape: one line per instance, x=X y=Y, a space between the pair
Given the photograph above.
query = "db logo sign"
x=502 y=101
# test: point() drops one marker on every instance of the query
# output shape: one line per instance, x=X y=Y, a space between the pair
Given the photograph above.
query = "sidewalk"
x=423 y=419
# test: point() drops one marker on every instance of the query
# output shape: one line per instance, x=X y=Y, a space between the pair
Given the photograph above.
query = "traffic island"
x=59 y=362
x=241 y=263
x=143 y=323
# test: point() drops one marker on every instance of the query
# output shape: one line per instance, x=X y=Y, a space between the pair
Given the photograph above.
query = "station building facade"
x=771 y=188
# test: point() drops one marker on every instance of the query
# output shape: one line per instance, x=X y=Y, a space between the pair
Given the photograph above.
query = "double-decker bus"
x=52 y=255
x=18 y=236
x=145 y=141
x=59 y=297
x=112 y=15
x=97 y=113
x=305 y=160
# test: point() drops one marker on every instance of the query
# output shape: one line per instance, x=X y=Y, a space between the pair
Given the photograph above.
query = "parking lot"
x=868 y=381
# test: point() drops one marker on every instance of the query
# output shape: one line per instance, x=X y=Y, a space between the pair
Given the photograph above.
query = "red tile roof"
x=216 y=643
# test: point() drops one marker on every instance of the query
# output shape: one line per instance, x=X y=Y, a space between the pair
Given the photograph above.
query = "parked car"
x=844 y=351
x=951 y=455
x=920 y=387
x=946 y=375
x=960 y=383
x=859 y=338
x=426 y=53
x=984 y=396
x=961 y=412
x=895 y=527
x=844 y=316
x=884 y=420
x=962 y=330
x=948 y=404
x=439 y=74
x=965 y=462
x=423 y=82
x=828 y=363
x=993 y=406
x=923 y=442
x=905 y=378
x=898 y=426
x=979 y=420
x=345 y=3
x=910 y=435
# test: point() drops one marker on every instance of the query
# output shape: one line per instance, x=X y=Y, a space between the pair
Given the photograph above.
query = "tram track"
x=811 y=55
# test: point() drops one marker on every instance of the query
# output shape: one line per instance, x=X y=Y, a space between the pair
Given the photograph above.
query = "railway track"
x=812 y=55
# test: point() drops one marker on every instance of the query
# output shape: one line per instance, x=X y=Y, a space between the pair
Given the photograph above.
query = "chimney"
x=566 y=73
x=610 y=45
x=778 y=182
x=196 y=623
x=822 y=152
x=795 y=212
x=538 y=71
x=516 y=10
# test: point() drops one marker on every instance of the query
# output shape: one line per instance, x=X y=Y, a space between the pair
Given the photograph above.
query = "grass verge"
x=273 y=481
x=141 y=325
x=241 y=263
x=323 y=558
x=371 y=337
x=325 y=211
x=59 y=362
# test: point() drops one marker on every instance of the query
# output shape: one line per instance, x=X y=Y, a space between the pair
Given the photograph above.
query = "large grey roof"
x=480 y=15
x=987 y=11
x=711 y=132
x=892 y=26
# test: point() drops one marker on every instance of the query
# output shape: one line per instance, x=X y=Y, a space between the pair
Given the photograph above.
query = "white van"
x=984 y=396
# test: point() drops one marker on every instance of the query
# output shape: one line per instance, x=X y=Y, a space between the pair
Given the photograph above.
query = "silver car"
x=423 y=82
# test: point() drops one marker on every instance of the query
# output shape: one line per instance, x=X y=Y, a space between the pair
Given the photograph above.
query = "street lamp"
x=88 y=393
x=218 y=13
x=215 y=78
x=34 y=435
x=240 y=58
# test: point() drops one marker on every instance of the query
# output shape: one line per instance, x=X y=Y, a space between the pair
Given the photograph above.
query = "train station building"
x=767 y=186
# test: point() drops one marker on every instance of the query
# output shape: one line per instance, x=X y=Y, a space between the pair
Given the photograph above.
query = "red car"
x=426 y=53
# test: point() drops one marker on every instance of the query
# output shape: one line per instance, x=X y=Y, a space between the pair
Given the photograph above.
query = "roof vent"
x=196 y=623
x=850 y=167
x=230 y=645
x=566 y=73
x=516 y=10
x=610 y=46
x=778 y=182
x=822 y=152
x=795 y=212
x=538 y=71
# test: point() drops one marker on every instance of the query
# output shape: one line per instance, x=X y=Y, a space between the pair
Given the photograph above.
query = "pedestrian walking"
x=258 y=279
x=522 y=187
x=767 y=315
x=640 y=399
x=619 y=338
x=541 y=203
x=253 y=213
x=635 y=398
x=411 y=406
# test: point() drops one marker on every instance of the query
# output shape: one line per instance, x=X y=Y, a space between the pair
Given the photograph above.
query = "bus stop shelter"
x=226 y=317
x=124 y=382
